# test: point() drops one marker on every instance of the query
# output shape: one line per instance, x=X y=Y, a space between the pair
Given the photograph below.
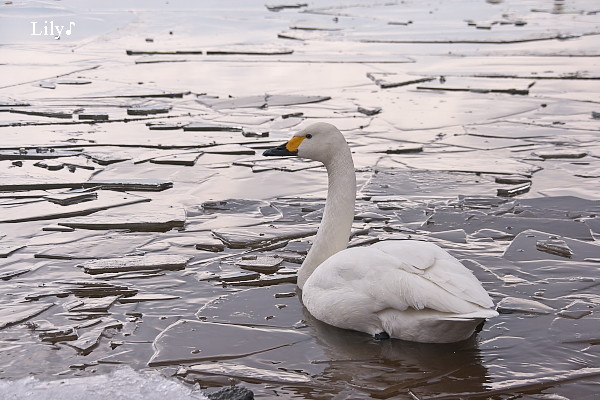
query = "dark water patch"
x=443 y=219
x=571 y=207
x=188 y=341
x=534 y=245
x=238 y=308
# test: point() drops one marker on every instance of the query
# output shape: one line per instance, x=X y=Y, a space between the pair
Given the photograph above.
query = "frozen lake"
x=145 y=239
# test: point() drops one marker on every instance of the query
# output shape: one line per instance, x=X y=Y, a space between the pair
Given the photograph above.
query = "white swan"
x=404 y=289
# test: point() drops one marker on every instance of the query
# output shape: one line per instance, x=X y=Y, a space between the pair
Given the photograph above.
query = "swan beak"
x=279 y=151
x=287 y=149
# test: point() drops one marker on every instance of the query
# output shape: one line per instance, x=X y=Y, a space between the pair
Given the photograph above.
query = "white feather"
x=411 y=290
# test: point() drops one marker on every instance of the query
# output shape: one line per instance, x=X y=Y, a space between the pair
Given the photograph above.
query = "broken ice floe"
x=135 y=263
x=54 y=210
x=511 y=305
x=261 y=101
x=246 y=373
x=262 y=234
x=11 y=314
x=262 y=264
x=152 y=219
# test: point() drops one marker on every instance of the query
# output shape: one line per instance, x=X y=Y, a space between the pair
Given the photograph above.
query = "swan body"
x=404 y=289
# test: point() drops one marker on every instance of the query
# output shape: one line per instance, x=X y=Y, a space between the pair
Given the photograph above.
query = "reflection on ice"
x=473 y=127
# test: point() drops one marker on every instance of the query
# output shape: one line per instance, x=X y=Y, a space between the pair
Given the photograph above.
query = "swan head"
x=320 y=142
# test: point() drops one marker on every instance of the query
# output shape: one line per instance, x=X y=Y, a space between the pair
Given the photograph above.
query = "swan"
x=403 y=289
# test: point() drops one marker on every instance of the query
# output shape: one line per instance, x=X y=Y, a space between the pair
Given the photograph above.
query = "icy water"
x=144 y=239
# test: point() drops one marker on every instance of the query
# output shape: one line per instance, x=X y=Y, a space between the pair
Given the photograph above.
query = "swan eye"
x=308 y=136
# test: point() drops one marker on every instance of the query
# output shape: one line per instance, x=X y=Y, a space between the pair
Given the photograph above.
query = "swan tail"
x=478 y=315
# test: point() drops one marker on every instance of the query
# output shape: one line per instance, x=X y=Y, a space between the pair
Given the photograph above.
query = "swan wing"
x=437 y=266
x=377 y=279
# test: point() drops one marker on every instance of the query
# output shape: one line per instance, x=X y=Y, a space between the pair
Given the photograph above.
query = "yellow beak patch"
x=293 y=144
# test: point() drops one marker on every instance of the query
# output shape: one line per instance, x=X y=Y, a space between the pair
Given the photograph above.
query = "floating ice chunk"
x=577 y=309
x=555 y=246
x=534 y=245
x=123 y=383
x=11 y=314
x=510 y=305
x=264 y=264
x=257 y=236
x=244 y=372
x=546 y=155
x=148 y=219
x=135 y=263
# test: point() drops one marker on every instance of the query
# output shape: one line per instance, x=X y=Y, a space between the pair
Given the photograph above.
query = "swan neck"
x=336 y=224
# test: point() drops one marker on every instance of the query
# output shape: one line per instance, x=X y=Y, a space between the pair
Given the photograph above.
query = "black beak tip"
x=279 y=151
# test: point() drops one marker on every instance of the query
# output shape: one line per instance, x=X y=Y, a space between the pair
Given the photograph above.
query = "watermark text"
x=49 y=29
